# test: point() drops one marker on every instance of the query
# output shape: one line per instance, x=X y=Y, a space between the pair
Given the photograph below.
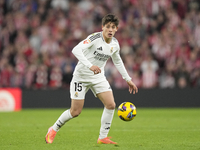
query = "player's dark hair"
x=110 y=18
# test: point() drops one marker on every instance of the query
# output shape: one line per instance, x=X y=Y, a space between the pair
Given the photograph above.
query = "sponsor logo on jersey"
x=111 y=50
x=101 y=56
x=86 y=41
x=100 y=48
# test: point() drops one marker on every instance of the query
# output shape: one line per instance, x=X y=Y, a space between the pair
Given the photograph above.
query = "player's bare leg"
x=76 y=107
x=107 y=99
x=74 y=111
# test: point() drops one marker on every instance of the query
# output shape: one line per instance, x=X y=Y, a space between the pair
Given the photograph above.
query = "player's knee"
x=75 y=113
x=111 y=106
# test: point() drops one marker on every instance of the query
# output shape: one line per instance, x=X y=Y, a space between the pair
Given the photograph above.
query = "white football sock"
x=64 y=117
x=106 y=121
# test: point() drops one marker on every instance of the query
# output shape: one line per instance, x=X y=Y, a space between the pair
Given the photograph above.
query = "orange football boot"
x=50 y=135
x=105 y=141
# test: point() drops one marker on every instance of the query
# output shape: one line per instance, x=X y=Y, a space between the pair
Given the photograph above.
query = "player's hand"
x=132 y=87
x=95 y=69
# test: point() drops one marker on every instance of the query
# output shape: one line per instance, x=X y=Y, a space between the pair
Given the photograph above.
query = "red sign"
x=10 y=99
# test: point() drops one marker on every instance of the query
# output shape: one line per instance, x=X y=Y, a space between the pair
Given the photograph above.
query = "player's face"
x=109 y=30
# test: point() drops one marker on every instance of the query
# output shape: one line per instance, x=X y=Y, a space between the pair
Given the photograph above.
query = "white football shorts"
x=79 y=86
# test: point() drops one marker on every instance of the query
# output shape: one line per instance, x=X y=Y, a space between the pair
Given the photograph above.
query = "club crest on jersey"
x=111 y=50
x=76 y=94
x=86 y=41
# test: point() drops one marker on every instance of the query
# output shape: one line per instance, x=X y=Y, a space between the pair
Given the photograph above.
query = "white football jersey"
x=95 y=51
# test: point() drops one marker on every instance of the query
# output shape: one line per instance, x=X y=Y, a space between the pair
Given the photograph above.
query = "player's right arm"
x=78 y=53
x=95 y=69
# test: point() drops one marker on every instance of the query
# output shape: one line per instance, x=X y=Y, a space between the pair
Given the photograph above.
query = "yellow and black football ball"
x=126 y=111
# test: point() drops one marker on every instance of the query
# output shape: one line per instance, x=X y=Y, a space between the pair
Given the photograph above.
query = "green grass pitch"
x=152 y=129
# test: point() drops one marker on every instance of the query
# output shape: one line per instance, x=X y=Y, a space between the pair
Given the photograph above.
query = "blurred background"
x=159 y=39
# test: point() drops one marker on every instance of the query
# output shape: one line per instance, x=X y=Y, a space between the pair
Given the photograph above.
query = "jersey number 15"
x=78 y=86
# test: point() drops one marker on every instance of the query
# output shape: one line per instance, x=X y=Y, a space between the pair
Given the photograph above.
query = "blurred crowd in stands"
x=159 y=39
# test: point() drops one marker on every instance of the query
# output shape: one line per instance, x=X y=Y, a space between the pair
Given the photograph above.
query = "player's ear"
x=102 y=27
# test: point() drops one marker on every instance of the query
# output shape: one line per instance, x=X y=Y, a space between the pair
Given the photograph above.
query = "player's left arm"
x=132 y=87
x=116 y=58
